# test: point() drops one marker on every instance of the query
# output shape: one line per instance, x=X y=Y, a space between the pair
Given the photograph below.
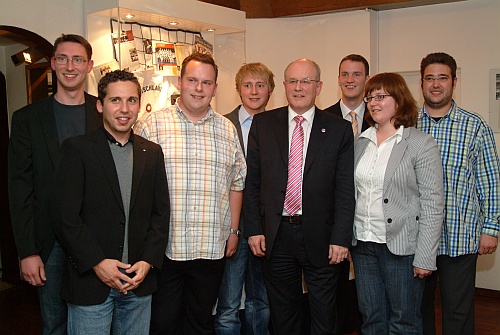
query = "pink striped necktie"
x=293 y=196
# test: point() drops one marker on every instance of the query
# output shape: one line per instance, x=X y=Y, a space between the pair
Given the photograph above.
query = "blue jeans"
x=243 y=267
x=389 y=296
x=52 y=308
x=123 y=314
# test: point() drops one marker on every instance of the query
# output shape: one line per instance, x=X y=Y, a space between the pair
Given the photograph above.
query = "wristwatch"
x=236 y=232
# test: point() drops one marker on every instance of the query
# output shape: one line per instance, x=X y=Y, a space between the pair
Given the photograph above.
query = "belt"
x=294 y=219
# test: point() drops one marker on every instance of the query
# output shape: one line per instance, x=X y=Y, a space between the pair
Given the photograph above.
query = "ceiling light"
x=173 y=23
x=210 y=29
x=129 y=16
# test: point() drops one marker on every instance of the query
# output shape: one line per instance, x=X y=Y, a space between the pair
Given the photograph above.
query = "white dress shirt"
x=306 y=125
x=360 y=114
x=369 y=220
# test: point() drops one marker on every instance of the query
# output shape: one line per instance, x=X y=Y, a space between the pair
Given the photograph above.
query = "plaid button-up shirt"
x=471 y=178
x=204 y=161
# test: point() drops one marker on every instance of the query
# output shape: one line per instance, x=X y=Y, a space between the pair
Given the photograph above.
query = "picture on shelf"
x=126 y=51
x=148 y=46
x=202 y=46
x=101 y=70
x=165 y=55
x=182 y=50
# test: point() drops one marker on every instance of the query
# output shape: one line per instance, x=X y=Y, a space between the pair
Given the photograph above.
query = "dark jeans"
x=457 y=284
x=389 y=296
x=187 y=291
x=242 y=268
x=52 y=308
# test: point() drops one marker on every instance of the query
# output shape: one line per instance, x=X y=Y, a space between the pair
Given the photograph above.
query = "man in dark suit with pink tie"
x=299 y=201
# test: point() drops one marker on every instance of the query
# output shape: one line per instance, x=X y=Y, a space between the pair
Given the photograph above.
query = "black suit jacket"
x=335 y=109
x=328 y=182
x=89 y=217
x=34 y=152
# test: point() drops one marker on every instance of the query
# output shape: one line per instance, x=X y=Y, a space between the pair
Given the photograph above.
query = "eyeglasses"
x=377 y=97
x=62 y=60
x=441 y=79
x=305 y=81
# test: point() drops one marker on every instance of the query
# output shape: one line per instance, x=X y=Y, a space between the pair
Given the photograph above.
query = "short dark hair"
x=113 y=77
x=438 y=58
x=258 y=70
x=202 y=58
x=394 y=85
x=74 y=39
x=357 y=58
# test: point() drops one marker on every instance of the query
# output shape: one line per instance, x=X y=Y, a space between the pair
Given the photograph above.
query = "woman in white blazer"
x=399 y=209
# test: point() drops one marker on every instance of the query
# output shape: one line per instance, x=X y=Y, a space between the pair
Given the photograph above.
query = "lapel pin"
x=144 y=150
x=323 y=130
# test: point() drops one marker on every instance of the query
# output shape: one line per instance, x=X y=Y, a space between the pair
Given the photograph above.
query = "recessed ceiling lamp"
x=129 y=16
x=210 y=30
x=173 y=23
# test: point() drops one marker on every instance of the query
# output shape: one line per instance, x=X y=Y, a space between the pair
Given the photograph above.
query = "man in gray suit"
x=254 y=84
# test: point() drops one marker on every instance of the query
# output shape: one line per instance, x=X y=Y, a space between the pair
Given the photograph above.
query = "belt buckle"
x=295 y=219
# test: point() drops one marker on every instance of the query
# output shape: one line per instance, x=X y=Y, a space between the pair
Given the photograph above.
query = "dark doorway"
x=10 y=264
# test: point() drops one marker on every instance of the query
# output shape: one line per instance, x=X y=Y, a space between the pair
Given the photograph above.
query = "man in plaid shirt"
x=206 y=172
x=471 y=186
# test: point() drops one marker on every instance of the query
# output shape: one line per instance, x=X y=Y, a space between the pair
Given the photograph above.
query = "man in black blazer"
x=353 y=74
x=316 y=237
x=37 y=131
x=111 y=211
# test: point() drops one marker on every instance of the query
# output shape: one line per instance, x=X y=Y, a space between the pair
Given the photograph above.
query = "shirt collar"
x=371 y=134
x=452 y=112
x=243 y=115
x=112 y=140
x=308 y=116
x=360 y=110
x=182 y=115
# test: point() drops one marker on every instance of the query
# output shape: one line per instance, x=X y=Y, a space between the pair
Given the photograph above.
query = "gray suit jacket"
x=412 y=197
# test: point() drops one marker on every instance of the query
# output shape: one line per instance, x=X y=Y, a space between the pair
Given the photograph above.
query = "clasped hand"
x=108 y=271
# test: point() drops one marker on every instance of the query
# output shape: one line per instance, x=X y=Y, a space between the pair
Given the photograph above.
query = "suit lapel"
x=140 y=160
x=396 y=155
x=360 y=144
x=235 y=119
x=49 y=129
x=319 y=133
x=281 y=132
x=101 y=148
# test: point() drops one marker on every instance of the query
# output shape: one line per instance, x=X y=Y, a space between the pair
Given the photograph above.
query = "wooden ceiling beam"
x=284 y=8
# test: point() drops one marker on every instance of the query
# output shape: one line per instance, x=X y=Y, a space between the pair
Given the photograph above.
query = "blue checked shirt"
x=471 y=178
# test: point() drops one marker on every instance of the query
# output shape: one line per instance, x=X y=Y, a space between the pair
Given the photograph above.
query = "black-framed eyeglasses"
x=304 y=81
x=62 y=60
x=441 y=79
x=376 y=97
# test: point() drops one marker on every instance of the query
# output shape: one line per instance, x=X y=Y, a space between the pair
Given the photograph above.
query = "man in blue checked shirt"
x=471 y=188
